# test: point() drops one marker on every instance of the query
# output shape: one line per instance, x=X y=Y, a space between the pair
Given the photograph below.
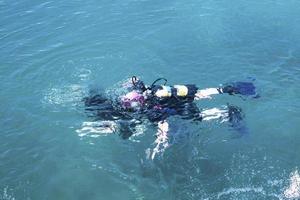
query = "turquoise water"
x=53 y=52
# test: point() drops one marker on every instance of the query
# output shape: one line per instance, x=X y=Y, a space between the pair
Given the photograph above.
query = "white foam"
x=241 y=190
x=214 y=113
x=84 y=74
x=66 y=95
x=96 y=129
x=293 y=190
x=6 y=195
x=139 y=130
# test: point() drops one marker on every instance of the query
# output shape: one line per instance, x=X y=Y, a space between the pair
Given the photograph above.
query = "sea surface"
x=52 y=53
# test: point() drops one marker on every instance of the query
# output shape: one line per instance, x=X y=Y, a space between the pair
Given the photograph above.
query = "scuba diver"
x=157 y=102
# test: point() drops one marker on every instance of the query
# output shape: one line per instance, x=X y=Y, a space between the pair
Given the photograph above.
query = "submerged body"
x=158 y=102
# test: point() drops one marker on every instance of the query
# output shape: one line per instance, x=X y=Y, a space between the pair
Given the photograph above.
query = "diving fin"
x=236 y=120
x=242 y=88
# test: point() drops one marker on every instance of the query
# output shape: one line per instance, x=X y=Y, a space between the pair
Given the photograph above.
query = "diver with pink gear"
x=156 y=103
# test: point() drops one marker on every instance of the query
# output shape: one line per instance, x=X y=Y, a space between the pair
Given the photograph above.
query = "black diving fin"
x=242 y=88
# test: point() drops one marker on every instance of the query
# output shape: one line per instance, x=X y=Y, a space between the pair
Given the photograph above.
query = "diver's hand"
x=163 y=126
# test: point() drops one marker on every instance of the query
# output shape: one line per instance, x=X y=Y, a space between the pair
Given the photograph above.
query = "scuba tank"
x=163 y=91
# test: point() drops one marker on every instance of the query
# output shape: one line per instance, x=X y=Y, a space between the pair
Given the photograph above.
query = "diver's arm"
x=240 y=88
x=163 y=128
x=161 y=138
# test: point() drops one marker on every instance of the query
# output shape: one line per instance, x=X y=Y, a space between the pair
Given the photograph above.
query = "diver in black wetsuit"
x=158 y=102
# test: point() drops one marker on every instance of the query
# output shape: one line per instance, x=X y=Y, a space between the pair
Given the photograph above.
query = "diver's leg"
x=189 y=111
x=214 y=113
x=206 y=93
x=231 y=114
x=242 y=88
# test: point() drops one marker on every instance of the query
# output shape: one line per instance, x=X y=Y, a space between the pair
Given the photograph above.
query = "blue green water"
x=53 y=52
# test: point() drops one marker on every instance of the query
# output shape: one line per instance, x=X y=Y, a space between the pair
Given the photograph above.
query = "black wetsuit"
x=159 y=109
x=155 y=109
